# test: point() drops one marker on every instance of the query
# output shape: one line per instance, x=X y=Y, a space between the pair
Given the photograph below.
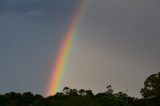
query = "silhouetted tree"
x=109 y=90
x=151 y=90
x=82 y=92
x=151 y=86
x=73 y=92
x=74 y=97
x=125 y=97
x=27 y=98
x=66 y=90
x=89 y=93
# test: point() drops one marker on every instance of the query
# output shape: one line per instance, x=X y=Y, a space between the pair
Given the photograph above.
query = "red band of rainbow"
x=64 y=51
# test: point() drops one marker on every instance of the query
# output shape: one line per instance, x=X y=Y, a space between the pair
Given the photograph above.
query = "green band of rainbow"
x=64 y=51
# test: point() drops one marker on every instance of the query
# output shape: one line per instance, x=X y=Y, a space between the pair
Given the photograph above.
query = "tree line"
x=74 y=97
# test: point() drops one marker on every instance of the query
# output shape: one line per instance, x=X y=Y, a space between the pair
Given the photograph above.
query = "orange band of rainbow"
x=64 y=51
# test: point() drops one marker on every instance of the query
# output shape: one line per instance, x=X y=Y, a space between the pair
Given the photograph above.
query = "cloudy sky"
x=117 y=43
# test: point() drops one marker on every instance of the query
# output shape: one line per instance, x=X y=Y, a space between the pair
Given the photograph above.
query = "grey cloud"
x=129 y=25
x=41 y=9
x=30 y=33
x=118 y=41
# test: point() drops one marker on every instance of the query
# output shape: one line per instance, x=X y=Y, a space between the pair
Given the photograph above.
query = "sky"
x=117 y=43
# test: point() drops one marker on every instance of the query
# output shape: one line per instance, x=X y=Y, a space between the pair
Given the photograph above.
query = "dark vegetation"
x=74 y=97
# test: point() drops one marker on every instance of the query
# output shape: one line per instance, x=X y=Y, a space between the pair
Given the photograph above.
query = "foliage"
x=151 y=90
x=151 y=86
x=74 y=97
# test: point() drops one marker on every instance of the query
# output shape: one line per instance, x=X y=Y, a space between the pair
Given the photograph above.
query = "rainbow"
x=64 y=51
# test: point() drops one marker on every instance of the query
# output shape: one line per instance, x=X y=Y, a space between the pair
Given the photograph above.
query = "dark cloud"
x=119 y=40
x=37 y=9
x=118 y=43
x=30 y=33
x=130 y=25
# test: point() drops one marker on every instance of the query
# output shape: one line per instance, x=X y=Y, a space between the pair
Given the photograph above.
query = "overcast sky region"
x=118 y=43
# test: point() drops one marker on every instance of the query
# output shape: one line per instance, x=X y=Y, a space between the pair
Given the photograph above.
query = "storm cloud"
x=117 y=43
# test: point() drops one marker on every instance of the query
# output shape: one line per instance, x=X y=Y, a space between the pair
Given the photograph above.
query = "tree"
x=151 y=86
x=125 y=97
x=66 y=90
x=89 y=93
x=73 y=92
x=109 y=90
x=27 y=98
x=82 y=92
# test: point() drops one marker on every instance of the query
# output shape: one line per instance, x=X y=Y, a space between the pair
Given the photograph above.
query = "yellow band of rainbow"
x=64 y=51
